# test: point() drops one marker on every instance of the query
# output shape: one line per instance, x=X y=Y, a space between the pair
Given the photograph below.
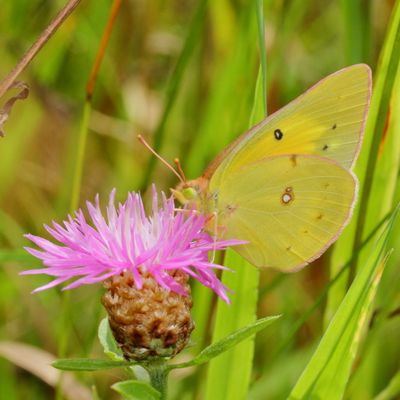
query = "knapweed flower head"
x=127 y=240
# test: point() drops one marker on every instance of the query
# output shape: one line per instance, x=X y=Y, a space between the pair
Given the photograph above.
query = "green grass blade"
x=382 y=348
x=356 y=22
x=392 y=390
x=229 y=374
x=367 y=164
x=263 y=56
x=226 y=114
x=328 y=372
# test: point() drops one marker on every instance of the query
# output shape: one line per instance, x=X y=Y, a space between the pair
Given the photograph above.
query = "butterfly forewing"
x=289 y=208
x=327 y=120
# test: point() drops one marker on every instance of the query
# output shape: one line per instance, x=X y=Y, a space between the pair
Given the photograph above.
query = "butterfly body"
x=286 y=186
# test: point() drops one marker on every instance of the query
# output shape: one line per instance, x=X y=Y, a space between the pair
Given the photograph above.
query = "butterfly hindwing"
x=289 y=208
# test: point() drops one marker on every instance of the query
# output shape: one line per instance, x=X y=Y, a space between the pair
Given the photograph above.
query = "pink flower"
x=127 y=239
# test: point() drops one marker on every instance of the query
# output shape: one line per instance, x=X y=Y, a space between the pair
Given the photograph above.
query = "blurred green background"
x=181 y=73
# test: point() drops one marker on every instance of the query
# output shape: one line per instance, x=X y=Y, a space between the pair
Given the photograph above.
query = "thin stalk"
x=102 y=48
x=7 y=82
x=158 y=373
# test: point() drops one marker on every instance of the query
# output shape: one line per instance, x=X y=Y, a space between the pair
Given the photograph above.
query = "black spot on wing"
x=325 y=147
x=278 y=134
x=334 y=126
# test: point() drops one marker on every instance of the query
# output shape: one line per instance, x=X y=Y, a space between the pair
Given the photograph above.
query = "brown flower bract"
x=151 y=322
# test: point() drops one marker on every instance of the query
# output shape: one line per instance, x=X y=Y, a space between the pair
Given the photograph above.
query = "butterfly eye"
x=190 y=193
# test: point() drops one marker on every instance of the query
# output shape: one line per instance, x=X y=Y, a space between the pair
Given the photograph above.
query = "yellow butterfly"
x=286 y=186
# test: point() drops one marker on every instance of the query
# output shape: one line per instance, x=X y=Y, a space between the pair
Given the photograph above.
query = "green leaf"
x=392 y=390
x=88 y=364
x=228 y=342
x=136 y=390
x=110 y=346
x=328 y=372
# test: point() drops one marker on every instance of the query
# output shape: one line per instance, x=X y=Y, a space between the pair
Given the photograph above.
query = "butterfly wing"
x=289 y=208
x=327 y=120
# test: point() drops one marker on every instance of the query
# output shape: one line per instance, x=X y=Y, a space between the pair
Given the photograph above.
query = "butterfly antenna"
x=166 y=163
x=180 y=170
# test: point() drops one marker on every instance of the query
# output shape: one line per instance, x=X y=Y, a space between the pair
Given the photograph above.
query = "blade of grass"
x=379 y=113
x=328 y=372
x=384 y=181
x=392 y=390
x=290 y=335
x=356 y=15
x=381 y=353
x=229 y=374
x=225 y=114
x=350 y=240
x=263 y=61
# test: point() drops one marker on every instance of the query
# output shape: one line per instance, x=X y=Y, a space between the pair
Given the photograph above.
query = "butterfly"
x=286 y=186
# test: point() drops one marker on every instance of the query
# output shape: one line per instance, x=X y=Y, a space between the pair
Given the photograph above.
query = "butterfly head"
x=192 y=192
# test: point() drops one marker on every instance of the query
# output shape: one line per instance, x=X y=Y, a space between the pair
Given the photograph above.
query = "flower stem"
x=158 y=373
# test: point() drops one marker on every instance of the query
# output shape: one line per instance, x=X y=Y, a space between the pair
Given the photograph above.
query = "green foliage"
x=183 y=74
x=227 y=343
x=108 y=342
x=88 y=364
x=223 y=380
x=328 y=372
x=136 y=390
